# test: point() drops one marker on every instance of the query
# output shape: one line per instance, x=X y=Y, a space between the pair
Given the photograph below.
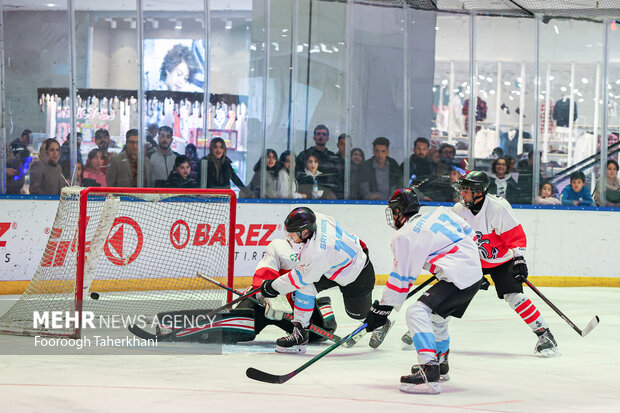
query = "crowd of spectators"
x=315 y=173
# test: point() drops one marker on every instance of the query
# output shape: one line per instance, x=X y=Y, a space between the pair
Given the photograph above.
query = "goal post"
x=130 y=251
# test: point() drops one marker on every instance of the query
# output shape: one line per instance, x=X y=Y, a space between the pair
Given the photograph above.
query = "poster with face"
x=174 y=64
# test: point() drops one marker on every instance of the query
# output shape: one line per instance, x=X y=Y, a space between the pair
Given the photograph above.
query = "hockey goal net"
x=130 y=251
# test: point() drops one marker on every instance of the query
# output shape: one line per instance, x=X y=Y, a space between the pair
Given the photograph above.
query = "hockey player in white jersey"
x=501 y=244
x=329 y=257
x=443 y=244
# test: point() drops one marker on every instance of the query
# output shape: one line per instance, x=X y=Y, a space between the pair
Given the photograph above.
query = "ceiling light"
x=228 y=25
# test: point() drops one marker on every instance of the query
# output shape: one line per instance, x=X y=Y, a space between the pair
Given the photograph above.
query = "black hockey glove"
x=519 y=269
x=485 y=284
x=377 y=316
x=267 y=290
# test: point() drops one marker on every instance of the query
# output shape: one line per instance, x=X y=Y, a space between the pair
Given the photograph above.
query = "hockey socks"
x=526 y=310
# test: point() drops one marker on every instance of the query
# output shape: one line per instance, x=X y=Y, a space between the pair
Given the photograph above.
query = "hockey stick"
x=148 y=336
x=361 y=334
x=259 y=375
x=313 y=328
x=593 y=323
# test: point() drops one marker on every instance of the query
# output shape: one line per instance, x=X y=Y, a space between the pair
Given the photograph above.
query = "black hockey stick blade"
x=142 y=333
x=593 y=323
x=266 y=377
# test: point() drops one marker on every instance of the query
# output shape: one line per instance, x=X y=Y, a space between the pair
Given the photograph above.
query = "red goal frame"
x=82 y=223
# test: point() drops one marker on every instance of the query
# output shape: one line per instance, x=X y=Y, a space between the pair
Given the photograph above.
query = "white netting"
x=142 y=255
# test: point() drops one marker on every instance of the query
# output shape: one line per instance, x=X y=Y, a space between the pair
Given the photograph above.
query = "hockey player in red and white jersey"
x=329 y=257
x=501 y=244
x=443 y=244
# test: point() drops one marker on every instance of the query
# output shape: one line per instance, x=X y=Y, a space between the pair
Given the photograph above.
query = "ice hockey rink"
x=492 y=369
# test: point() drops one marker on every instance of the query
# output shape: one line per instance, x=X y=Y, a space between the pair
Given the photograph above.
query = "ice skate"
x=444 y=368
x=379 y=334
x=294 y=342
x=407 y=342
x=424 y=380
x=546 y=345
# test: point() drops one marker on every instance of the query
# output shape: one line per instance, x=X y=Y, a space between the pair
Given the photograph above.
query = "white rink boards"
x=492 y=369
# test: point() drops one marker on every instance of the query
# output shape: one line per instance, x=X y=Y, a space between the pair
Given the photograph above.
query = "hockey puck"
x=94 y=296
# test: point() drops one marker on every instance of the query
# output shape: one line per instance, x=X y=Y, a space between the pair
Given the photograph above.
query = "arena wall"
x=566 y=246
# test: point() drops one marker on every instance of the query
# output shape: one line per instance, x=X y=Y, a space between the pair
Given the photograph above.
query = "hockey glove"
x=485 y=284
x=377 y=316
x=267 y=290
x=519 y=269
x=276 y=307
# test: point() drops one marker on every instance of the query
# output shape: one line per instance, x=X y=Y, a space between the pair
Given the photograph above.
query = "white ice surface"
x=492 y=369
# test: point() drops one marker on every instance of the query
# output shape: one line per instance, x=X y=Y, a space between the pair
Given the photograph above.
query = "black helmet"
x=403 y=203
x=478 y=182
x=300 y=220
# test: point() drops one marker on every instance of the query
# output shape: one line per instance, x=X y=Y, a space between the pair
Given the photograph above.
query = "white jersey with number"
x=331 y=252
x=440 y=242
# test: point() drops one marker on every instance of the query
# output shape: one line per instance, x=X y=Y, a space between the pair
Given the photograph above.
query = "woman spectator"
x=94 y=169
x=180 y=176
x=612 y=185
x=219 y=167
x=545 y=196
x=45 y=174
x=282 y=183
x=312 y=181
x=357 y=159
x=253 y=188
x=79 y=174
x=502 y=184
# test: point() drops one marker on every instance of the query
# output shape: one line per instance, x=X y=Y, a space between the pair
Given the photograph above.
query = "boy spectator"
x=577 y=193
x=123 y=169
x=420 y=166
x=162 y=160
x=380 y=175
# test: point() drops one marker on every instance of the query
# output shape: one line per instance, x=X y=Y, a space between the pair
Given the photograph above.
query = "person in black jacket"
x=380 y=176
x=219 y=167
x=180 y=176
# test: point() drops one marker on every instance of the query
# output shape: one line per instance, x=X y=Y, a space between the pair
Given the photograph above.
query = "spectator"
x=612 y=185
x=339 y=164
x=151 y=143
x=18 y=164
x=526 y=178
x=445 y=163
x=576 y=193
x=163 y=158
x=253 y=188
x=180 y=177
x=545 y=196
x=282 y=183
x=65 y=155
x=94 y=175
x=45 y=174
x=79 y=174
x=219 y=167
x=312 y=183
x=420 y=166
x=23 y=140
x=194 y=162
x=357 y=159
x=380 y=175
x=502 y=184
x=123 y=168
x=102 y=140
x=327 y=159
x=497 y=153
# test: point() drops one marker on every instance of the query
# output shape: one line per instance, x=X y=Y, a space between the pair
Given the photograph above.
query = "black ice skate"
x=444 y=368
x=546 y=345
x=294 y=342
x=424 y=380
x=379 y=334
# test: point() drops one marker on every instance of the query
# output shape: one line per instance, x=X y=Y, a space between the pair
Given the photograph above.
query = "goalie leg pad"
x=323 y=316
x=232 y=327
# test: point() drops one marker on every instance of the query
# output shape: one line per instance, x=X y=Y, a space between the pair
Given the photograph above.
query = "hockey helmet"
x=478 y=182
x=403 y=203
x=301 y=221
